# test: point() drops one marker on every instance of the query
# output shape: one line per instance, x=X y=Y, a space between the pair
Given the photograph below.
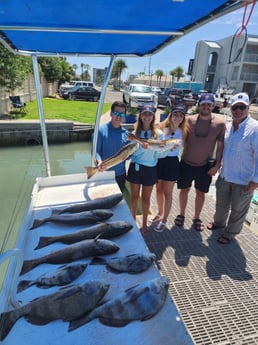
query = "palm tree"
x=159 y=73
x=178 y=72
x=75 y=67
x=118 y=69
x=82 y=66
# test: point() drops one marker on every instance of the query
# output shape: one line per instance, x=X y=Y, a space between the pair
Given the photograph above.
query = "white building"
x=229 y=63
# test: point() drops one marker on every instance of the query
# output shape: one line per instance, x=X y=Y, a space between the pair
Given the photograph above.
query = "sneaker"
x=160 y=227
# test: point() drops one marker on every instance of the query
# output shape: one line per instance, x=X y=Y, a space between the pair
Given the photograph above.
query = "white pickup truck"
x=138 y=94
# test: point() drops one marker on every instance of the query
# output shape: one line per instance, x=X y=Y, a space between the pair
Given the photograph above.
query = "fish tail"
x=28 y=265
x=91 y=171
x=7 y=321
x=43 y=242
x=23 y=284
x=98 y=261
x=37 y=223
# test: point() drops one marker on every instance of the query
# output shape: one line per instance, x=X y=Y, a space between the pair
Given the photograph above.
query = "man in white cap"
x=238 y=177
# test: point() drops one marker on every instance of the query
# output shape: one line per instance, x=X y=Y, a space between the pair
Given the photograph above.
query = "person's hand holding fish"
x=101 y=167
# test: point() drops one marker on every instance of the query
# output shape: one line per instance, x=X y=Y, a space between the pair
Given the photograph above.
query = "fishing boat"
x=48 y=28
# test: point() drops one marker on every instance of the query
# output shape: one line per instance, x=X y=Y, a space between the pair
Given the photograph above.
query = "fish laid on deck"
x=103 y=230
x=156 y=145
x=133 y=263
x=140 y=302
x=66 y=304
x=99 y=203
x=119 y=157
x=81 y=218
x=73 y=252
x=62 y=276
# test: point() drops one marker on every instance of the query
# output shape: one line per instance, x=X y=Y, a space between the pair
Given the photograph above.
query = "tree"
x=13 y=69
x=118 y=68
x=75 y=67
x=159 y=73
x=55 y=69
x=178 y=73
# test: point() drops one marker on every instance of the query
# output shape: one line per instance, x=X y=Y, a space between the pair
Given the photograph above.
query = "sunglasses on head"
x=241 y=107
x=117 y=113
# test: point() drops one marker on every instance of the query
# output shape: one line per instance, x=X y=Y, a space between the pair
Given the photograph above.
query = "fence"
x=27 y=92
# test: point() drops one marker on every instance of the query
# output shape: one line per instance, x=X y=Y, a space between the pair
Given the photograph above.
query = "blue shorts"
x=168 y=168
x=190 y=173
x=141 y=174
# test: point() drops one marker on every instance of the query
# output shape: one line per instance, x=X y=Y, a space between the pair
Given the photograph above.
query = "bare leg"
x=199 y=201
x=183 y=198
x=160 y=197
x=146 y=194
x=167 y=190
x=135 y=192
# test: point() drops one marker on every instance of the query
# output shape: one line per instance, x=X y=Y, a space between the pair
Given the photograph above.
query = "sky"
x=181 y=51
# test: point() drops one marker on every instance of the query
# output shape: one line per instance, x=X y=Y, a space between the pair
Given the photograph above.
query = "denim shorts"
x=141 y=174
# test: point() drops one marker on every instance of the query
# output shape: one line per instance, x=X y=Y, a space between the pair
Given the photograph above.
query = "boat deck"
x=214 y=286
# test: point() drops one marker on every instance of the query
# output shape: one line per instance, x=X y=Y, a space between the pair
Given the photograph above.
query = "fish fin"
x=28 y=265
x=56 y=212
x=67 y=291
x=98 y=261
x=7 y=321
x=36 y=224
x=43 y=242
x=74 y=324
x=91 y=171
x=98 y=236
x=113 y=322
x=133 y=293
x=24 y=284
x=36 y=320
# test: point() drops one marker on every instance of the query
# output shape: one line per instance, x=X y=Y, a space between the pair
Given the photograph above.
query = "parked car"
x=86 y=93
x=135 y=95
x=74 y=83
x=156 y=89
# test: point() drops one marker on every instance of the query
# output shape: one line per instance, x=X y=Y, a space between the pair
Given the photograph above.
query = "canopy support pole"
x=99 y=110
x=41 y=113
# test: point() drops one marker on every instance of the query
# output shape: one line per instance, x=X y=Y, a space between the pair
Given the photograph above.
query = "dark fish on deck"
x=62 y=276
x=81 y=218
x=99 y=203
x=73 y=252
x=140 y=302
x=66 y=304
x=134 y=263
x=103 y=230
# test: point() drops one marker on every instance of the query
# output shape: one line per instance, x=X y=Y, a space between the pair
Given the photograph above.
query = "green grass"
x=55 y=109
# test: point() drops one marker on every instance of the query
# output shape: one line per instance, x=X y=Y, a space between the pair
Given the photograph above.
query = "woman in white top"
x=175 y=126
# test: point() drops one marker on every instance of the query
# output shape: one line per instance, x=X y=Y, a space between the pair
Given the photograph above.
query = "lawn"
x=76 y=111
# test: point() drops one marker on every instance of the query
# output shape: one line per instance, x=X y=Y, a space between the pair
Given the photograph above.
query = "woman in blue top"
x=142 y=171
x=175 y=126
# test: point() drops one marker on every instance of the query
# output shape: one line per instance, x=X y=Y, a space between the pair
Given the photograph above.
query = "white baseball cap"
x=241 y=97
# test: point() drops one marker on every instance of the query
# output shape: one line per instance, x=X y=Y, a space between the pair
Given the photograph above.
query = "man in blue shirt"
x=239 y=173
x=111 y=138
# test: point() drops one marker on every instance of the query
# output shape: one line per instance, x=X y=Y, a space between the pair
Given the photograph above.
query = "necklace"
x=198 y=134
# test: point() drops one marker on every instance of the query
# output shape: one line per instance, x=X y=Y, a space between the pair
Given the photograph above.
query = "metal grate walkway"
x=214 y=286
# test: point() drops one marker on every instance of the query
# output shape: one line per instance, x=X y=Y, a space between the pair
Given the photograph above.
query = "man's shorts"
x=141 y=174
x=190 y=173
x=168 y=169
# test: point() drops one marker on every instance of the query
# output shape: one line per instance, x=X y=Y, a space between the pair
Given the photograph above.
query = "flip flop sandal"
x=198 y=225
x=157 y=218
x=223 y=240
x=160 y=227
x=179 y=220
x=212 y=226
x=144 y=231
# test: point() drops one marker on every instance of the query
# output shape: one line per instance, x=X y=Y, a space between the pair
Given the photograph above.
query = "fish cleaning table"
x=58 y=192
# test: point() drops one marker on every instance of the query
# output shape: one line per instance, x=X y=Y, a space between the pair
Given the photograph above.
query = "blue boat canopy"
x=103 y=27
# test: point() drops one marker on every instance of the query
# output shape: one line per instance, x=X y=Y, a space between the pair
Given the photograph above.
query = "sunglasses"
x=241 y=107
x=116 y=113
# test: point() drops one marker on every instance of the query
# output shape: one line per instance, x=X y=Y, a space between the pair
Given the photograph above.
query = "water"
x=19 y=168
